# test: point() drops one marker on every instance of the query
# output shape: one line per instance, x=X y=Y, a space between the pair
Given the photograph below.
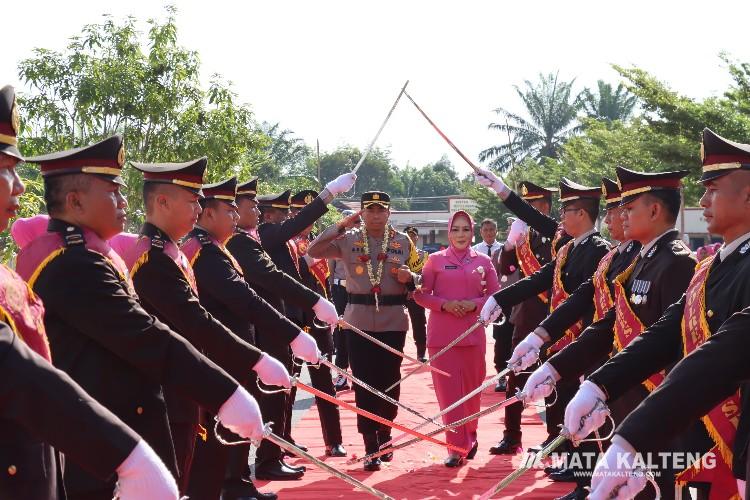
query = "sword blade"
x=285 y=445
x=378 y=393
x=474 y=416
x=544 y=453
x=440 y=352
x=388 y=348
x=372 y=416
x=456 y=404
x=374 y=139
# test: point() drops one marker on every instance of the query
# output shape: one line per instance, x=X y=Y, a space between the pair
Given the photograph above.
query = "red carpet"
x=417 y=472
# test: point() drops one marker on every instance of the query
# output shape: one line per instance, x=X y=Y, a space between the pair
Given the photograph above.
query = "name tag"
x=451 y=267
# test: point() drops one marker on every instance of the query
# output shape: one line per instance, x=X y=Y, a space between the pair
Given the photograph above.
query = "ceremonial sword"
x=372 y=416
x=388 y=348
x=445 y=349
x=372 y=143
x=474 y=416
x=296 y=450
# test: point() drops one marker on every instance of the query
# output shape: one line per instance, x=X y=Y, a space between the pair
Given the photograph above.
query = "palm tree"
x=606 y=104
x=552 y=111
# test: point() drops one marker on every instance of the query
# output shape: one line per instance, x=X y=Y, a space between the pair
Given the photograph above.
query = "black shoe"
x=301 y=468
x=276 y=470
x=453 y=461
x=564 y=476
x=300 y=446
x=422 y=353
x=372 y=464
x=384 y=437
x=502 y=385
x=579 y=493
x=506 y=447
x=341 y=383
x=336 y=450
x=473 y=451
x=241 y=489
x=388 y=457
x=550 y=469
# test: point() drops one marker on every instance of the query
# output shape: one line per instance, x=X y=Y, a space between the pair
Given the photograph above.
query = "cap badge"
x=703 y=152
x=376 y=196
x=524 y=190
x=121 y=155
x=308 y=199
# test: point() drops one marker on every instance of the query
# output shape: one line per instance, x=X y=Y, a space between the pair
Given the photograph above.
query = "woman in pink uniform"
x=455 y=284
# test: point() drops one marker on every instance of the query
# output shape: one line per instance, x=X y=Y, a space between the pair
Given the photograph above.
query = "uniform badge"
x=544 y=239
x=394 y=260
x=651 y=252
x=745 y=248
x=359 y=269
x=396 y=245
x=630 y=247
x=637 y=300
x=524 y=190
x=15 y=119
x=121 y=155
x=359 y=244
x=308 y=199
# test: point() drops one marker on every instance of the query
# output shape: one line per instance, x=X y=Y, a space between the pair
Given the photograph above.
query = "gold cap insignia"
x=121 y=155
x=376 y=196
x=524 y=190
x=703 y=153
x=604 y=189
x=308 y=199
x=619 y=184
x=15 y=118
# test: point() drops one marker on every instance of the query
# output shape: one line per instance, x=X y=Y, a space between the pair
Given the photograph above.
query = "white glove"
x=517 y=230
x=526 y=353
x=271 y=372
x=540 y=384
x=588 y=400
x=490 y=311
x=487 y=178
x=304 y=347
x=144 y=475
x=241 y=415
x=341 y=184
x=615 y=475
x=326 y=311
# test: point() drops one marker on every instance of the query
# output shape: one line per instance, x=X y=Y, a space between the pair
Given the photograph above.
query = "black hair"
x=670 y=200
x=488 y=221
x=57 y=187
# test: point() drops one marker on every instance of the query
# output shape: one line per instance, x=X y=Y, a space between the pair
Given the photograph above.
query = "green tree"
x=425 y=187
x=552 y=109
x=608 y=104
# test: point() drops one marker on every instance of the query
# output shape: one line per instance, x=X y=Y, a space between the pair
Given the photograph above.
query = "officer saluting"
x=372 y=256
x=100 y=334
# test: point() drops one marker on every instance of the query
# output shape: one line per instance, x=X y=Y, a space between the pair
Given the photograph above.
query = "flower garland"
x=375 y=276
x=483 y=282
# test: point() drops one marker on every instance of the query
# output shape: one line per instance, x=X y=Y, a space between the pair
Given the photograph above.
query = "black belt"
x=384 y=300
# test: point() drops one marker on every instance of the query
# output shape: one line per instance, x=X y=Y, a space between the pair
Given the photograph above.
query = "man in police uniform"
x=574 y=263
x=314 y=274
x=167 y=288
x=720 y=288
x=231 y=300
x=372 y=255
x=526 y=250
x=417 y=315
x=99 y=332
x=32 y=388
x=657 y=279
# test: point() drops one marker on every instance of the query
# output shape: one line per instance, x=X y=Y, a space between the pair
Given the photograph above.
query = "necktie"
x=489 y=250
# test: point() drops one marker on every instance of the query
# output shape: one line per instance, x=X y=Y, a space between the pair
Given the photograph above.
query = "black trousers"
x=340 y=299
x=210 y=463
x=418 y=319
x=379 y=368
x=276 y=407
x=183 y=438
x=320 y=378
x=503 y=335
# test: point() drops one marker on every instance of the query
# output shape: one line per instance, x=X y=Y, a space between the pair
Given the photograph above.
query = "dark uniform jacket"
x=225 y=293
x=103 y=338
x=543 y=224
x=666 y=269
x=46 y=405
x=165 y=291
x=274 y=238
x=727 y=292
x=580 y=265
x=581 y=303
x=264 y=277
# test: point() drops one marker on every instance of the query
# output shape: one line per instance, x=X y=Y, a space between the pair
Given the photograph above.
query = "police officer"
x=32 y=389
x=276 y=231
x=167 y=288
x=230 y=299
x=526 y=250
x=719 y=288
x=372 y=256
x=99 y=332
x=417 y=315
x=657 y=278
x=314 y=273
